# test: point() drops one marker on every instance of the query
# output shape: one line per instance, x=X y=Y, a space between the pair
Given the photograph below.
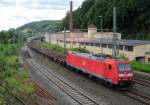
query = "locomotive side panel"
x=99 y=68
x=111 y=73
x=92 y=66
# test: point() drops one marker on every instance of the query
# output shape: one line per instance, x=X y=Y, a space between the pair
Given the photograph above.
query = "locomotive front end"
x=125 y=74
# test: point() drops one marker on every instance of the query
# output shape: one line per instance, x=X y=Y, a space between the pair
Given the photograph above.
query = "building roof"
x=92 y=26
x=121 y=42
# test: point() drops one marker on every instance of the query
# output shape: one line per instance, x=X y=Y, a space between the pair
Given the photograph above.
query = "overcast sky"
x=14 y=13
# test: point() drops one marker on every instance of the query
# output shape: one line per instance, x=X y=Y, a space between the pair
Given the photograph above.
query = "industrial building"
x=132 y=49
x=93 y=33
x=101 y=42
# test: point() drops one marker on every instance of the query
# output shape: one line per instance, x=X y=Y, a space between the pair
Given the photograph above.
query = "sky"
x=14 y=13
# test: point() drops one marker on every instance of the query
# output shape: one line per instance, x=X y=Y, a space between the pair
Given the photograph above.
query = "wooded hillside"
x=41 y=26
x=132 y=16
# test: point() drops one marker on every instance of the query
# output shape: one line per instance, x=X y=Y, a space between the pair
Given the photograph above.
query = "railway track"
x=145 y=99
x=80 y=97
x=40 y=92
x=142 y=80
x=18 y=100
x=21 y=101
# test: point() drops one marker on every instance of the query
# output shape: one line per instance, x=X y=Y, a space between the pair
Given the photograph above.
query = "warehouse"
x=132 y=49
x=101 y=42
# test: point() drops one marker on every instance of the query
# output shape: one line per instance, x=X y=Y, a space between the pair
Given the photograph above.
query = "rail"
x=142 y=80
x=78 y=96
x=143 y=98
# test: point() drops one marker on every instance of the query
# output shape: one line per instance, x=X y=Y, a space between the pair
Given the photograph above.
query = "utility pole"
x=70 y=17
x=19 y=45
x=41 y=48
x=49 y=39
x=101 y=33
x=64 y=39
x=115 y=50
x=19 y=48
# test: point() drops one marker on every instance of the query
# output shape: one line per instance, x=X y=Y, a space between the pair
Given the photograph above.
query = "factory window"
x=97 y=44
x=148 y=59
x=128 y=48
x=109 y=46
x=82 y=43
x=91 y=44
x=87 y=44
x=104 y=45
x=120 y=47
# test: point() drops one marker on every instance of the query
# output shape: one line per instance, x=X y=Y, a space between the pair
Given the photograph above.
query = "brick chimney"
x=70 y=17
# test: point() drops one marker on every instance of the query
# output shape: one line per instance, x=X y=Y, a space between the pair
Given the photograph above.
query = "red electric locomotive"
x=114 y=71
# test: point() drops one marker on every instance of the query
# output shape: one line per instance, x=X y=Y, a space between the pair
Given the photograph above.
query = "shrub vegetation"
x=132 y=17
x=13 y=81
x=60 y=49
x=138 y=66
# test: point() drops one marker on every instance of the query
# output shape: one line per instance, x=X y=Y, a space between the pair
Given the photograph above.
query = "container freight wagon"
x=114 y=71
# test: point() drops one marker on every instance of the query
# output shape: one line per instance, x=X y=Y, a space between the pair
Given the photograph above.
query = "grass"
x=11 y=77
x=54 y=47
x=83 y=50
x=11 y=60
x=61 y=50
x=138 y=66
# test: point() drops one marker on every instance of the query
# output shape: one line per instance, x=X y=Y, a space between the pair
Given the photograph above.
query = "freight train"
x=113 y=71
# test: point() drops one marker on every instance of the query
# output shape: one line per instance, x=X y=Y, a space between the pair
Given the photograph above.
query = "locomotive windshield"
x=122 y=67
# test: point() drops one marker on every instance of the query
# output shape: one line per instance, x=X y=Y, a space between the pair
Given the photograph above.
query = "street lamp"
x=101 y=33
x=64 y=39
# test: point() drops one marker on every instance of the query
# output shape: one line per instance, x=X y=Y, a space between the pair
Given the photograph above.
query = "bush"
x=54 y=47
x=138 y=66
x=2 y=62
x=83 y=50
x=60 y=49
x=11 y=77
x=8 y=50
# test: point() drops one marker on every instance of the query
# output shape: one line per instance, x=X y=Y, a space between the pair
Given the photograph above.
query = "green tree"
x=132 y=16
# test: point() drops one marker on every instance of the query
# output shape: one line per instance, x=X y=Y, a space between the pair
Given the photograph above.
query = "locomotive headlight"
x=121 y=75
x=130 y=74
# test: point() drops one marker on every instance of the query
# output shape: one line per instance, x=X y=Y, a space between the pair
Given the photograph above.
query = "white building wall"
x=141 y=49
x=91 y=32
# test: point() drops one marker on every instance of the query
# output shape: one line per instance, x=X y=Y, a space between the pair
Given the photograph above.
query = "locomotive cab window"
x=122 y=67
x=110 y=67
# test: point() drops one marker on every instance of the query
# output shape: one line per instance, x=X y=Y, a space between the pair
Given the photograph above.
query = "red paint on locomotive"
x=114 y=71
